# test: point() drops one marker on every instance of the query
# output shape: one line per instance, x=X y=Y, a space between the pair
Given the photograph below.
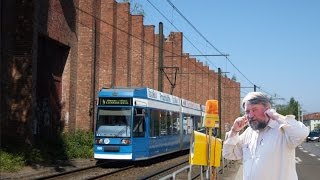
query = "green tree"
x=291 y=108
x=294 y=107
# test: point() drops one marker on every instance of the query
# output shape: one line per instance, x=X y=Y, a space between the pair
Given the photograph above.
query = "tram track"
x=160 y=172
x=150 y=169
x=90 y=172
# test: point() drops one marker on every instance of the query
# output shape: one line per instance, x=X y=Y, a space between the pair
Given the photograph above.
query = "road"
x=308 y=161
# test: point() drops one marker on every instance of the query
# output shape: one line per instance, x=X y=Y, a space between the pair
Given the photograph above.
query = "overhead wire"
x=130 y=34
x=207 y=41
x=122 y=43
x=176 y=28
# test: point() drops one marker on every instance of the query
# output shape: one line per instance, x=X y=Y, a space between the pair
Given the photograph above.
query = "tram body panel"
x=142 y=123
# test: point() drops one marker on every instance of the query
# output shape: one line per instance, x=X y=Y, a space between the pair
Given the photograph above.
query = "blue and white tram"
x=142 y=123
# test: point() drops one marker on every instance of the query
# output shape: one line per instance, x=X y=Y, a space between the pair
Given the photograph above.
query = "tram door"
x=139 y=141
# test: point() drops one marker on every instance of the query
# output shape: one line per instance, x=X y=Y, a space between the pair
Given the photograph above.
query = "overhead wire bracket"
x=172 y=83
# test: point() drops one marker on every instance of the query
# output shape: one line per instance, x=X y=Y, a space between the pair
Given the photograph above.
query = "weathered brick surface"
x=122 y=45
x=149 y=59
x=192 y=79
x=184 y=70
x=167 y=74
x=106 y=42
x=312 y=116
x=176 y=38
x=58 y=22
x=84 y=66
x=156 y=62
x=137 y=61
x=198 y=81
x=213 y=85
x=226 y=101
x=107 y=46
x=205 y=84
x=17 y=91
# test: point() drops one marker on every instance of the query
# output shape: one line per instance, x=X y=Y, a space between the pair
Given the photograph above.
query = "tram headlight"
x=125 y=141
x=106 y=141
x=99 y=141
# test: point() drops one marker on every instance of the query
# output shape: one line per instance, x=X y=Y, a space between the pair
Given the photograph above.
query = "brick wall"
x=311 y=116
x=156 y=62
x=17 y=91
x=58 y=21
x=84 y=64
x=149 y=60
x=107 y=47
x=167 y=73
x=205 y=77
x=198 y=82
x=184 y=70
x=176 y=39
x=122 y=46
x=107 y=42
x=192 y=79
x=213 y=93
x=136 y=51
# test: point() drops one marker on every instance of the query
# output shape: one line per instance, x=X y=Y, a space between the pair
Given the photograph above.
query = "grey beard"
x=258 y=126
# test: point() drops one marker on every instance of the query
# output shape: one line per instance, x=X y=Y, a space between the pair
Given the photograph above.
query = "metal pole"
x=93 y=74
x=209 y=130
x=160 y=78
x=299 y=113
x=219 y=99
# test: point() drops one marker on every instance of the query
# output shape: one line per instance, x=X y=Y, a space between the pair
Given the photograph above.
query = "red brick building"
x=57 y=54
x=311 y=116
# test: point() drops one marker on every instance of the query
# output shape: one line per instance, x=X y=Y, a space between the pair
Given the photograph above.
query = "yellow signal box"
x=199 y=150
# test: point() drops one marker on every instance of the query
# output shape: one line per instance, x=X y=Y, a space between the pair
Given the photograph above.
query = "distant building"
x=312 y=121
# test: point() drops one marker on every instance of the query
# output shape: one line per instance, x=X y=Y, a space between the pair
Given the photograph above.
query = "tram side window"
x=175 y=123
x=197 y=123
x=187 y=124
x=171 y=120
x=154 y=122
x=163 y=123
x=139 y=124
x=168 y=124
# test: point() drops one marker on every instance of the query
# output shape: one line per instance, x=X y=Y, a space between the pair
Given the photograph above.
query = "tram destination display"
x=106 y=101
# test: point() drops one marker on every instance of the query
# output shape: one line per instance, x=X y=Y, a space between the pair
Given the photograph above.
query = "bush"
x=11 y=162
x=78 y=144
x=69 y=145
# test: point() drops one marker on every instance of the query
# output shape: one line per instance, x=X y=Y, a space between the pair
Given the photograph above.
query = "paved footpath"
x=232 y=172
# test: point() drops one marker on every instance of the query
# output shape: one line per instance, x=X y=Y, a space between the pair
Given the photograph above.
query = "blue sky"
x=274 y=44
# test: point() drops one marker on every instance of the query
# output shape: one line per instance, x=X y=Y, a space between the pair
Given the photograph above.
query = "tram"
x=143 y=123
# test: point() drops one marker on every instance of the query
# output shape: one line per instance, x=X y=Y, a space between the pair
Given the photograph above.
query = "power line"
x=207 y=41
x=176 y=28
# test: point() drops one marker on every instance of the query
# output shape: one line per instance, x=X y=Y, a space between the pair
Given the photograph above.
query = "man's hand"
x=239 y=124
x=272 y=114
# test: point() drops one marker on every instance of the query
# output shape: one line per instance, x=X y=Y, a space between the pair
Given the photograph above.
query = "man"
x=267 y=146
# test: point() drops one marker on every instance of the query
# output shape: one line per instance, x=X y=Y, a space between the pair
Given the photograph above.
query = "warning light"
x=211 y=115
x=212 y=107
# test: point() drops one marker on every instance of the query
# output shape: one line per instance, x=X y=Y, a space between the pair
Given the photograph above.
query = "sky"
x=274 y=44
